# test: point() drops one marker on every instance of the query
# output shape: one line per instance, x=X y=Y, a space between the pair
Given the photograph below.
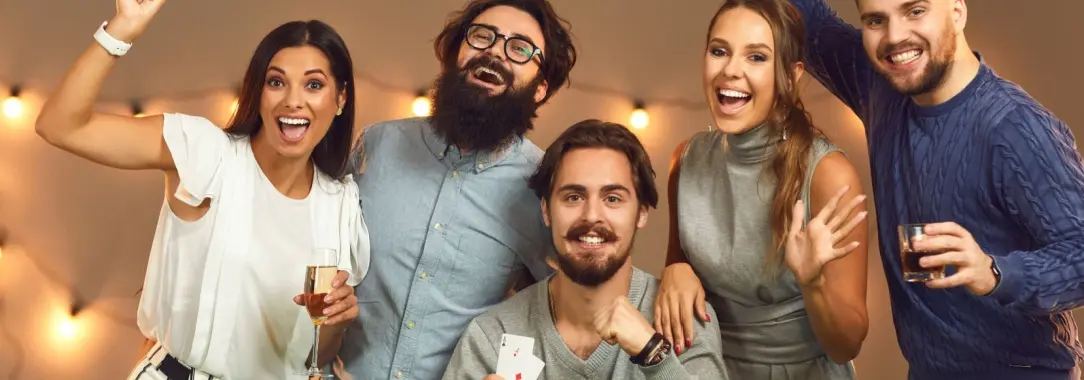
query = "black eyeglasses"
x=516 y=49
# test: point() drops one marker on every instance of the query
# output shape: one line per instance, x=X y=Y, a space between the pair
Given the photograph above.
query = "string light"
x=639 y=118
x=13 y=106
x=422 y=105
x=137 y=109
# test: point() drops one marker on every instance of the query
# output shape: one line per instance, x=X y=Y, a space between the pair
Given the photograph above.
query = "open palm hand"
x=808 y=250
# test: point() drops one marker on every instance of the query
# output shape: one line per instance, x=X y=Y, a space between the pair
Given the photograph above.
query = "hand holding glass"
x=912 y=271
x=322 y=266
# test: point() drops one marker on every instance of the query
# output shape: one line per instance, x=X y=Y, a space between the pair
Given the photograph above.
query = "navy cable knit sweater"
x=996 y=162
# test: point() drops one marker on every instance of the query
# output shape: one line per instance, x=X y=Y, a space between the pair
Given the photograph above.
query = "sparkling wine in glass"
x=321 y=268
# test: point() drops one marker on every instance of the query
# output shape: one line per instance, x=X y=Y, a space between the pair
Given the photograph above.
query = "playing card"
x=513 y=348
x=531 y=366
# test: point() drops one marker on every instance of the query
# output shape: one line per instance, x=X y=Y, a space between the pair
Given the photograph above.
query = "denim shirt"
x=447 y=230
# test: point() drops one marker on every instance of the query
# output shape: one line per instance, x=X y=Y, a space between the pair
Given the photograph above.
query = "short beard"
x=467 y=116
x=592 y=274
x=933 y=75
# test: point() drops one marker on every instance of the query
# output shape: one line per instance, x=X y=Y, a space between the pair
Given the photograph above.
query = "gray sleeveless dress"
x=724 y=199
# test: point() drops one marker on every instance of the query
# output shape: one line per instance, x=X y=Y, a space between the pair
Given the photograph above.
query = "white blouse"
x=219 y=291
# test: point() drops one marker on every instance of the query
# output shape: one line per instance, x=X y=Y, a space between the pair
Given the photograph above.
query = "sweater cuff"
x=1014 y=278
x=668 y=369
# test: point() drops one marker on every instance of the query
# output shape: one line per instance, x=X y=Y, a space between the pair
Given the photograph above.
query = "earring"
x=784 y=133
x=339 y=112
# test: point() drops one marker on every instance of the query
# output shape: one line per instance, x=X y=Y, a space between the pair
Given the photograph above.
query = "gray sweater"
x=528 y=314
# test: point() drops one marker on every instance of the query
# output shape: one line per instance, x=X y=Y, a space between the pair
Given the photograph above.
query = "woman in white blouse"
x=244 y=207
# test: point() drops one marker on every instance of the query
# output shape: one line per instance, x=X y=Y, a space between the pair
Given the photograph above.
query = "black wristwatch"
x=997 y=273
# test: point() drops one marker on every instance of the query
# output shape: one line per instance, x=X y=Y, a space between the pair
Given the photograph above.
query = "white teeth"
x=592 y=239
x=292 y=121
x=904 y=57
x=490 y=71
x=733 y=94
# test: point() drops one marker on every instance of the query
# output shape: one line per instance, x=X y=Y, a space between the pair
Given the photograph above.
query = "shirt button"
x=410 y=325
x=436 y=226
x=455 y=173
x=398 y=374
x=424 y=275
x=481 y=166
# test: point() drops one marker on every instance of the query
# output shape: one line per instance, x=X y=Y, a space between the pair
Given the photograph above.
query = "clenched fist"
x=622 y=324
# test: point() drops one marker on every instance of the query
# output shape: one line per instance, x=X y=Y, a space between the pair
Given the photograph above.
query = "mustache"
x=584 y=228
x=489 y=62
x=906 y=45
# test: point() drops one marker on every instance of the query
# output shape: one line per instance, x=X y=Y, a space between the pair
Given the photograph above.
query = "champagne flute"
x=322 y=266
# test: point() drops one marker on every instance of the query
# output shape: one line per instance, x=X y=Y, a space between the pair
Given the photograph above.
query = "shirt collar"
x=479 y=162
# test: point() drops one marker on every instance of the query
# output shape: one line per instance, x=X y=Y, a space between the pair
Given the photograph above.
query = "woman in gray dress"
x=789 y=286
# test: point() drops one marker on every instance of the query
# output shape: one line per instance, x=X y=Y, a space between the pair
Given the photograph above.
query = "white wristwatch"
x=112 y=45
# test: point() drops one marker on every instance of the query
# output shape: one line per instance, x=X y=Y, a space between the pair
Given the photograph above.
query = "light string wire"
x=364 y=76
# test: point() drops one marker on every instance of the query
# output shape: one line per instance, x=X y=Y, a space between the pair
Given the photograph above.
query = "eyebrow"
x=307 y=72
x=903 y=7
x=758 y=45
x=583 y=189
x=513 y=34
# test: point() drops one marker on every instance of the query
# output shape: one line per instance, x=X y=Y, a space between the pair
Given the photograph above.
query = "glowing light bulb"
x=66 y=328
x=421 y=106
x=13 y=107
x=639 y=118
x=137 y=109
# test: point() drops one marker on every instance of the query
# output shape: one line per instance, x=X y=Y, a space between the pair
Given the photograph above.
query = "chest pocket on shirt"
x=482 y=269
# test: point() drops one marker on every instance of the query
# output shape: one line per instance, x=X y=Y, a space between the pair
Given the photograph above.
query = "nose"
x=592 y=211
x=497 y=50
x=896 y=33
x=733 y=68
x=293 y=98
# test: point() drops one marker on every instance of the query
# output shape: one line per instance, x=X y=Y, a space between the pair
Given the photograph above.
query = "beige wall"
x=88 y=228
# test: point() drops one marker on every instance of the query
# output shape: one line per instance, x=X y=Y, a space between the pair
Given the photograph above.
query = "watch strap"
x=112 y=45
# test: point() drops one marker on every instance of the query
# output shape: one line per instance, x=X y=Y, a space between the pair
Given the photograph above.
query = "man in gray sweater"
x=592 y=319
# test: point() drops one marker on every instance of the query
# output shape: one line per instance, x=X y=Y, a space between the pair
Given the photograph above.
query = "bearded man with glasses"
x=452 y=222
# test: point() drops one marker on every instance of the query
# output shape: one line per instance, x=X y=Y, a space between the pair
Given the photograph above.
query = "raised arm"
x=834 y=54
x=1040 y=182
x=837 y=304
x=67 y=119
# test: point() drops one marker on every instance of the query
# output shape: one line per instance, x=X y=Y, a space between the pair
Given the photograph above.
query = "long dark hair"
x=788 y=115
x=332 y=152
x=559 y=52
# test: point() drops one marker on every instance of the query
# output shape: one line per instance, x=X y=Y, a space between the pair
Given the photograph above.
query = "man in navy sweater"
x=953 y=144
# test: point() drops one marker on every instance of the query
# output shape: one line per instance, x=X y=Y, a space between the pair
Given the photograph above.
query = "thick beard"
x=592 y=273
x=467 y=116
x=933 y=75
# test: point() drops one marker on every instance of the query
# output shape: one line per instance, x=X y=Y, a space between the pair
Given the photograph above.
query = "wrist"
x=994 y=275
x=122 y=29
x=637 y=340
x=813 y=286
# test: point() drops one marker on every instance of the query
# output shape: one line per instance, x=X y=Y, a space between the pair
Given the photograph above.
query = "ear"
x=541 y=91
x=342 y=97
x=959 y=15
x=641 y=220
x=545 y=213
x=799 y=70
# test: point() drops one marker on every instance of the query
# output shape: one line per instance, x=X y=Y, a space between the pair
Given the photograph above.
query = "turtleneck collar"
x=753 y=146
